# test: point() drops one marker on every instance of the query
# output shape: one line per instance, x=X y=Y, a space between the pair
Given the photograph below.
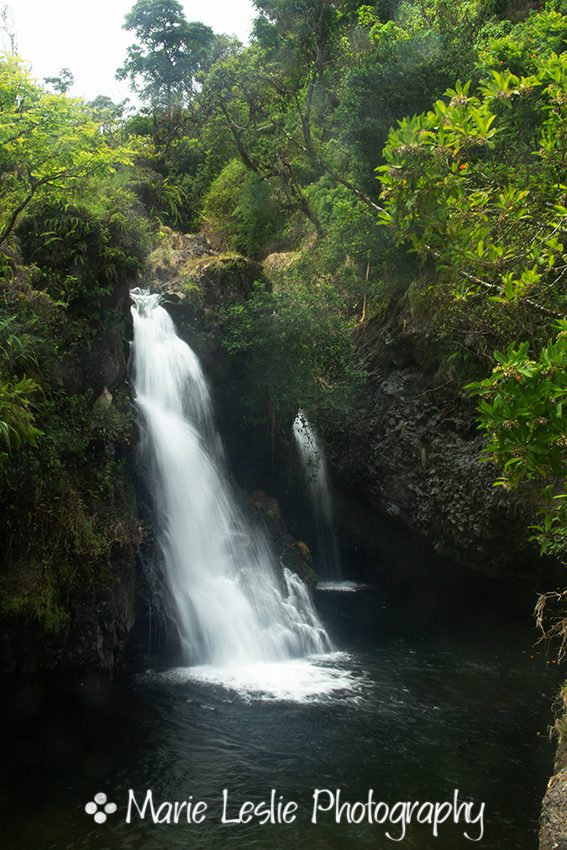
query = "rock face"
x=411 y=448
x=553 y=823
x=292 y=554
x=553 y=830
x=154 y=639
x=189 y=273
x=100 y=607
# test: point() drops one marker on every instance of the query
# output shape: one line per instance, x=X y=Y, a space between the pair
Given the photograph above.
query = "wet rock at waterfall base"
x=293 y=554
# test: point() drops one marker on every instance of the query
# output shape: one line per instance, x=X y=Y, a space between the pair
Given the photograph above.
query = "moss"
x=34 y=596
x=189 y=284
x=225 y=262
x=67 y=504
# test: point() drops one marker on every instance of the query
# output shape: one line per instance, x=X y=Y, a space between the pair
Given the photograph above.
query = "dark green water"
x=447 y=696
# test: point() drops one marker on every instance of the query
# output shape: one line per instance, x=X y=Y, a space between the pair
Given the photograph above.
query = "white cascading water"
x=315 y=467
x=232 y=606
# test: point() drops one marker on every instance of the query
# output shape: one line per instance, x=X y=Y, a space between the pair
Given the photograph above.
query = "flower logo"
x=99 y=808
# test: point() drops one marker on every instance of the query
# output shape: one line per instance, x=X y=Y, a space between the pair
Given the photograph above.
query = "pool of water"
x=435 y=687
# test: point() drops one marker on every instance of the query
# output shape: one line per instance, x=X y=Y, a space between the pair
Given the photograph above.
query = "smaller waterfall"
x=315 y=467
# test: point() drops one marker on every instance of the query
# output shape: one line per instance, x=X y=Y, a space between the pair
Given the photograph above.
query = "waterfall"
x=233 y=606
x=315 y=466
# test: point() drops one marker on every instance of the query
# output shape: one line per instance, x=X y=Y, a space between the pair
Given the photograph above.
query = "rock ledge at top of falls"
x=188 y=272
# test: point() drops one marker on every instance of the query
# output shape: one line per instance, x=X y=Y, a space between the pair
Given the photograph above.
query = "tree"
x=62 y=82
x=48 y=143
x=280 y=98
x=164 y=63
x=521 y=409
x=257 y=107
x=295 y=349
x=476 y=185
x=8 y=30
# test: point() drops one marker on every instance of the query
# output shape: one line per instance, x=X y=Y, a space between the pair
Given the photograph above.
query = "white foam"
x=312 y=679
x=342 y=586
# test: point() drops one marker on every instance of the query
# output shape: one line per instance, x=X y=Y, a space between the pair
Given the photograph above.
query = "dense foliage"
x=475 y=187
x=475 y=184
x=73 y=233
x=522 y=409
x=47 y=141
x=297 y=349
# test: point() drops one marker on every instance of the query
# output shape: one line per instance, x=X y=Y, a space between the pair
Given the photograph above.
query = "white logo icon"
x=99 y=808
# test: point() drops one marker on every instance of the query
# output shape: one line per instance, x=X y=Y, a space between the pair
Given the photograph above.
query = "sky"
x=86 y=36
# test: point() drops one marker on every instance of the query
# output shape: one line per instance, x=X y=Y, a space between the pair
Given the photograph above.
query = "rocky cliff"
x=410 y=447
x=70 y=531
x=553 y=824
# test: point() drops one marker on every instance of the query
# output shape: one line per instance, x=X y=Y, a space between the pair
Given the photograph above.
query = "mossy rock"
x=265 y=506
x=221 y=280
x=297 y=558
x=198 y=280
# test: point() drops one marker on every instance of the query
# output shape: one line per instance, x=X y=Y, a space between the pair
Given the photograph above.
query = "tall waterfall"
x=232 y=605
x=315 y=467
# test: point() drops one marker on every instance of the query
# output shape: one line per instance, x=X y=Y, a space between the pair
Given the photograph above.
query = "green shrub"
x=244 y=209
x=296 y=350
x=83 y=248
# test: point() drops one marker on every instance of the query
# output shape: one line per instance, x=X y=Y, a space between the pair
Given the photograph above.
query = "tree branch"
x=493 y=287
